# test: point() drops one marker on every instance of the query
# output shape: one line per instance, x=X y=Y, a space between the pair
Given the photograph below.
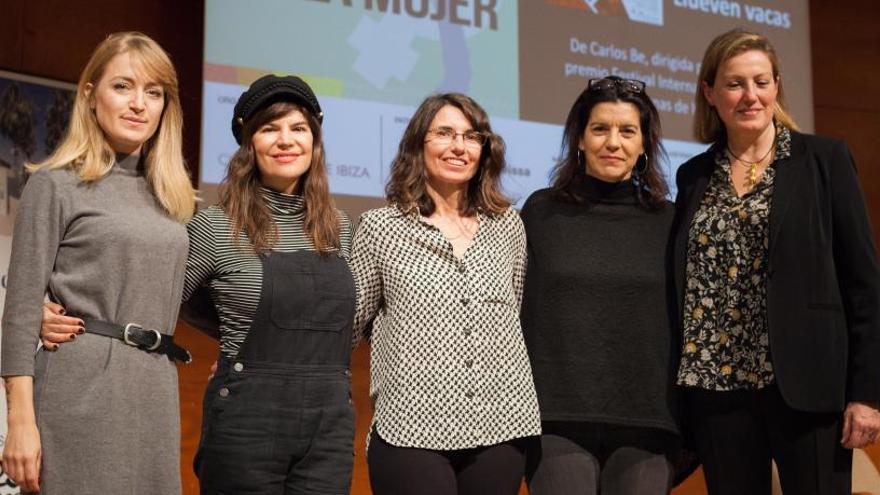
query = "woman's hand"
x=861 y=424
x=56 y=328
x=22 y=456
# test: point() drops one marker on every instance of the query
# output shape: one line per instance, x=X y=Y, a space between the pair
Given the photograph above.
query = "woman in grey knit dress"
x=100 y=228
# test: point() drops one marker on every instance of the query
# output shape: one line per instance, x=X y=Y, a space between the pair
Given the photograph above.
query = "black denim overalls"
x=278 y=417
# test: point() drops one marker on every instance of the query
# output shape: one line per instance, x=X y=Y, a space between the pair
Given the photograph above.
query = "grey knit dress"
x=107 y=413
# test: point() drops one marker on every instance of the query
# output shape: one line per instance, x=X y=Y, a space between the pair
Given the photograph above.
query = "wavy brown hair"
x=708 y=127
x=651 y=187
x=407 y=186
x=240 y=197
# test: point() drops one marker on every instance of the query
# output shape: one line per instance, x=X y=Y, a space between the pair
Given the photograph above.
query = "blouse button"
x=469 y=363
x=224 y=392
x=469 y=394
x=467 y=332
x=461 y=268
x=465 y=301
x=238 y=366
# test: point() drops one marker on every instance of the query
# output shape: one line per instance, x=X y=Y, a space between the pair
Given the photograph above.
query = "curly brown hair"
x=407 y=186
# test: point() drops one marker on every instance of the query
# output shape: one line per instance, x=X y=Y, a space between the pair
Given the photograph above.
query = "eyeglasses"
x=606 y=83
x=444 y=136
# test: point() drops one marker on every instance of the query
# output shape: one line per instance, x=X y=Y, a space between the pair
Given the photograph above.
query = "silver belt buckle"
x=134 y=326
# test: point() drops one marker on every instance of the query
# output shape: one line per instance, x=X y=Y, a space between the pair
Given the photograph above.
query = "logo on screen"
x=644 y=11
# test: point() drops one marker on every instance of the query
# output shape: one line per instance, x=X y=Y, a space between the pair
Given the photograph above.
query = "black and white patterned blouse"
x=449 y=368
x=234 y=273
x=726 y=344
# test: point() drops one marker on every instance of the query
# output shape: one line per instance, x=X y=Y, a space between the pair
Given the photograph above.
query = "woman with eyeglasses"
x=778 y=285
x=441 y=271
x=595 y=313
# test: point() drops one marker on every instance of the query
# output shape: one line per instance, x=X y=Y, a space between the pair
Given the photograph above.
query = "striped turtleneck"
x=232 y=272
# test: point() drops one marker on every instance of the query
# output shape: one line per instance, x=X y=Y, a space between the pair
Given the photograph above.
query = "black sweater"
x=595 y=312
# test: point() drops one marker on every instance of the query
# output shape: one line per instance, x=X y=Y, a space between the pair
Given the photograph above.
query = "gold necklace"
x=463 y=230
x=753 y=166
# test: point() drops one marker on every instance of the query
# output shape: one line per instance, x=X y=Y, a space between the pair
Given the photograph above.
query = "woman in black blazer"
x=778 y=287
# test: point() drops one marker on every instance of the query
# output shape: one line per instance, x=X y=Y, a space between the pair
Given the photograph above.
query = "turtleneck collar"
x=282 y=204
x=129 y=163
x=599 y=191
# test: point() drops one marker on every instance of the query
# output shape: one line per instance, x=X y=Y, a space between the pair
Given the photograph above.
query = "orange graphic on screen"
x=600 y=7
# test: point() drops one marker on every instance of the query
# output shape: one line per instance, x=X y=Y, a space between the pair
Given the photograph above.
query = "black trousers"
x=736 y=434
x=583 y=458
x=493 y=470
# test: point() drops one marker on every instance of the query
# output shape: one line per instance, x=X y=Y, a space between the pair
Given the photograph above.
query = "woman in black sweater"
x=595 y=311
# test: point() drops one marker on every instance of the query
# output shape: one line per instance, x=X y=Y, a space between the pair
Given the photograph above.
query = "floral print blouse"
x=726 y=345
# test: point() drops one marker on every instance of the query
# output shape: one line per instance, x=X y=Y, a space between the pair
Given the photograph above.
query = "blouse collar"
x=782 y=151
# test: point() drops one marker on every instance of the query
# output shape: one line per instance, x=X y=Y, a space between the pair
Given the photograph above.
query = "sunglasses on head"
x=606 y=83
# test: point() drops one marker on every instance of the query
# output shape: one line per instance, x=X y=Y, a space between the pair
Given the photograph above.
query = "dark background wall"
x=54 y=38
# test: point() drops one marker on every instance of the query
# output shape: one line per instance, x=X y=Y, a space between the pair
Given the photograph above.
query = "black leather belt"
x=135 y=335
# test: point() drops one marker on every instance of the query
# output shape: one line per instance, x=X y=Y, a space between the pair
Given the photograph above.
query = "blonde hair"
x=708 y=127
x=85 y=148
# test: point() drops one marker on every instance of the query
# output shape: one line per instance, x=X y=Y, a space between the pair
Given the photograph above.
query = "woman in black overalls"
x=277 y=414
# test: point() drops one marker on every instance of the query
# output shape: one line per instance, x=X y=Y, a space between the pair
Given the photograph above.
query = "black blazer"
x=823 y=285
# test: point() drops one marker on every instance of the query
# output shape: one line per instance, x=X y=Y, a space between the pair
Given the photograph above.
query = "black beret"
x=270 y=89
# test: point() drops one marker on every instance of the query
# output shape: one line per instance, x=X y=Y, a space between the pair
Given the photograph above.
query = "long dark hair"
x=407 y=186
x=651 y=188
x=241 y=200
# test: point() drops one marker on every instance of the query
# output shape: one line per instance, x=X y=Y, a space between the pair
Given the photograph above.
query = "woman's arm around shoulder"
x=520 y=255
x=201 y=260
x=366 y=268
x=197 y=309
x=346 y=234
